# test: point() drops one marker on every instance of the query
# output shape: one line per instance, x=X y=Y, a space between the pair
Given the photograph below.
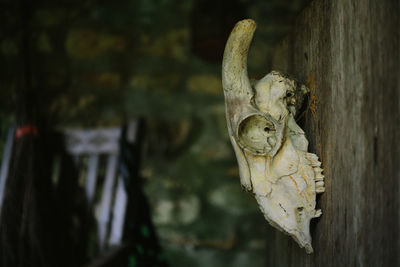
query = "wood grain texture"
x=347 y=52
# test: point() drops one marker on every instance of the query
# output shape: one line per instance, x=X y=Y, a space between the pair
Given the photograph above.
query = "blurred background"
x=95 y=64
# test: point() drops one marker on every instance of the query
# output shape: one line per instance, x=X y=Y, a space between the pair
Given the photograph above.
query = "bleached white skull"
x=270 y=147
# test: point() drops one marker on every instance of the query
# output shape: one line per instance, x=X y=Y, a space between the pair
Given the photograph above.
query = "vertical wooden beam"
x=348 y=54
x=91 y=178
x=121 y=195
x=106 y=200
x=119 y=210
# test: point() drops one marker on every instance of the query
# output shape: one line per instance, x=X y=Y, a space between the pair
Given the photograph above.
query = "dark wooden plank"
x=347 y=52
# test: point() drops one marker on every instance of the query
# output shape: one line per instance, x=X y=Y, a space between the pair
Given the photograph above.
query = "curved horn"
x=237 y=88
x=235 y=80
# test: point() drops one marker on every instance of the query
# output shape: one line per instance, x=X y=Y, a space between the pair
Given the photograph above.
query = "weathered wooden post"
x=348 y=54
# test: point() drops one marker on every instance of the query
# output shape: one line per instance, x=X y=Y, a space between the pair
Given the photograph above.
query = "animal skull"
x=271 y=149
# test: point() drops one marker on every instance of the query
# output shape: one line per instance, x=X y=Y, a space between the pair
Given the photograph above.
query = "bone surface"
x=270 y=147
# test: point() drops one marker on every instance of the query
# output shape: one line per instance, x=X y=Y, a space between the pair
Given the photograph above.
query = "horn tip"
x=246 y=23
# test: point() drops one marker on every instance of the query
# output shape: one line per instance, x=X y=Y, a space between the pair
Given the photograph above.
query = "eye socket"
x=289 y=94
x=257 y=134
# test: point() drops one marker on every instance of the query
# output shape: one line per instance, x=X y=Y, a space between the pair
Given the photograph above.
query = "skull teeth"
x=318 y=170
x=320 y=190
x=316 y=163
x=312 y=157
